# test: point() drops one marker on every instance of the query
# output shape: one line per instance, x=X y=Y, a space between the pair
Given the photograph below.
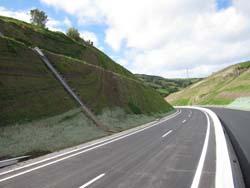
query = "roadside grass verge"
x=47 y=135
x=62 y=131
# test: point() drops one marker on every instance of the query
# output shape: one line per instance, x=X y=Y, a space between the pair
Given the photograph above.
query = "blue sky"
x=162 y=37
x=222 y=4
x=97 y=29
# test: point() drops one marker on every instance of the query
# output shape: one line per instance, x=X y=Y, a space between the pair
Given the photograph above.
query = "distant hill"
x=28 y=91
x=221 y=88
x=166 y=86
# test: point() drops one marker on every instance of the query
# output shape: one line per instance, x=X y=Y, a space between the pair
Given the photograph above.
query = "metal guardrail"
x=68 y=89
x=12 y=161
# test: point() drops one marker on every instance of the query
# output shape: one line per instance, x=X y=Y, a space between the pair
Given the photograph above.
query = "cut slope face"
x=38 y=116
x=100 y=89
x=220 y=88
x=59 y=43
x=28 y=90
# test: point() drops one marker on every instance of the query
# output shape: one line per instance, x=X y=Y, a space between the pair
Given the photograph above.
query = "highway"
x=178 y=151
x=237 y=124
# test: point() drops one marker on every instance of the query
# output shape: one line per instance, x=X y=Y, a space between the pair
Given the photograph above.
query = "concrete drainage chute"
x=69 y=90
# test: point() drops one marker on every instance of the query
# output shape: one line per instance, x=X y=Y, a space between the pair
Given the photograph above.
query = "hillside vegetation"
x=101 y=89
x=57 y=42
x=38 y=116
x=28 y=90
x=166 y=86
x=221 y=88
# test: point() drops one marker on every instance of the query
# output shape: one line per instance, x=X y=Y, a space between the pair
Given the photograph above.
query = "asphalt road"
x=237 y=125
x=168 y=154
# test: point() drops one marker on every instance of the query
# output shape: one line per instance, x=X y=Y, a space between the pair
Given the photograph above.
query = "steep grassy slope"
x=37 y=115
x=102 y=89
x=27 y=89
x=220 y=88
x=59 y=43
x=166 y=86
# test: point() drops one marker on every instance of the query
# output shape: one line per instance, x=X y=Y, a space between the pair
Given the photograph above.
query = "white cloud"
x=87 y=35
x=165 y=37
x=242 y=6
x=21 y=15
x=67 y=22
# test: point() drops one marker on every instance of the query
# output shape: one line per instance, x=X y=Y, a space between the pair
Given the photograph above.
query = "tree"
x=38 y=17
x=74 y=34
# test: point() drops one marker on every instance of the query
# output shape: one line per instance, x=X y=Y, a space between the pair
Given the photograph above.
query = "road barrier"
x=12 y=161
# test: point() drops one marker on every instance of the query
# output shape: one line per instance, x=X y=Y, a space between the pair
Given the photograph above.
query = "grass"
x=37 y=116
x=47 y=135
x=166 y=86
x=58 y=42
x=241 y=103
x=65 y=130
x=221 y=88
x=28 y=90
x=101 y=89
x=181 y=102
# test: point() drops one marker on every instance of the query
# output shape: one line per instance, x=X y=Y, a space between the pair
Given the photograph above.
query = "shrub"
x=74 y=34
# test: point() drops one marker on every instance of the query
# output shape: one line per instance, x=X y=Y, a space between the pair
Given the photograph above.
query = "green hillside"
x=37 y=115
x=166 y=86
x=102 y=89
x=57 y=42
x=221 y=88
x=28 y=90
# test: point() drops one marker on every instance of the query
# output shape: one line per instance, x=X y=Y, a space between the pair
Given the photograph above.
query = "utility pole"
x=187 y=73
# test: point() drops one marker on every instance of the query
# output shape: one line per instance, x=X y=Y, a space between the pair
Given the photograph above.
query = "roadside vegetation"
x=221 y=88
x=28 y=90
x=37 y=115
x=58 y=42
x=102 y=89
x=65 y=130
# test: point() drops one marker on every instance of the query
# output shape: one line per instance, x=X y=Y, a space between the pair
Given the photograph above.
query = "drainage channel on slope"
x=68 y=89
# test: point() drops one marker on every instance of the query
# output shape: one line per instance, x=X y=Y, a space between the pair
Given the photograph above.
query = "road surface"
x=176 y=152
x=237 y=124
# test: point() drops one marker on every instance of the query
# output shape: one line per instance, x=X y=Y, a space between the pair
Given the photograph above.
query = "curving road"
x=178 y=151
x=237 y=125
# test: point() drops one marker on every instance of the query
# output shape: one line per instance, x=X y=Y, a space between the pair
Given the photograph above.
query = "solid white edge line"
x=78 y=153
x=81 y=148
x=223 y=174
x=92 y=181
x=197 y=177
x=166 y=134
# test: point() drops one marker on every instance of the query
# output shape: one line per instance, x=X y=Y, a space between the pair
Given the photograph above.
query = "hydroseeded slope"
x=221 y=88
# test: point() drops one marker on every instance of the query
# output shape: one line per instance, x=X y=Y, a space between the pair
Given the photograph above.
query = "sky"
x=156 y=37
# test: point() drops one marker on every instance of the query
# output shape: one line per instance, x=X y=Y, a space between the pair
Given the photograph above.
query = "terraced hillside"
x=28 y=90
x=101 y=89
x=221 y=88
x=58 y=42
x=37 y=115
